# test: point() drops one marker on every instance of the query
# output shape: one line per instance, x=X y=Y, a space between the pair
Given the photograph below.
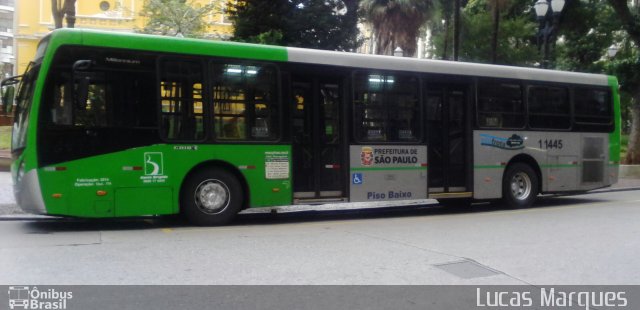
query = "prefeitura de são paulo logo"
x=24 y=297
x=366 y=156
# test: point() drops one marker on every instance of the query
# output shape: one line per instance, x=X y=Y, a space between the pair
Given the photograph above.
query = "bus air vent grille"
x=593 y=160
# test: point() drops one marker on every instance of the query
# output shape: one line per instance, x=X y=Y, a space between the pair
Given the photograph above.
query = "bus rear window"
x=592 y=108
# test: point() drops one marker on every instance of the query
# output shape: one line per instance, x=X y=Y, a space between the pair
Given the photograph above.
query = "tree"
x=175 y=18
x=396 y=23
x=322 y=24
x=630 y=78
x=587 y=30
x=62 y=8
x=514 y=45
x=260 y=21
x=496 y=6
x=447 y=11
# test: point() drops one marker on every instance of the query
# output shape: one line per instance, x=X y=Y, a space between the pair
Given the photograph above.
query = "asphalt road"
x=587 y=239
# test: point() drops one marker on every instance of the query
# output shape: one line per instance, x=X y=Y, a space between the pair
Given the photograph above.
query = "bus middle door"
x=447 y=135
x=317 y=139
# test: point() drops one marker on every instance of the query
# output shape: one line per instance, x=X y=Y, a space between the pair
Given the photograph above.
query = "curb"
x=629 y=171
x=621 y=189
x=5 y=163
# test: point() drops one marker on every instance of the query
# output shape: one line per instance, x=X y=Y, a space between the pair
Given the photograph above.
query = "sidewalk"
x=7 y=201
x=8 y=207
x=5 y=160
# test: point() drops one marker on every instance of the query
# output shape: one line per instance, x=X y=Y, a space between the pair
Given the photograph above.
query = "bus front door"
x=317 y=142
x=446 y=142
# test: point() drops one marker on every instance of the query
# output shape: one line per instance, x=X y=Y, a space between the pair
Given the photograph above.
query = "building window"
x=224 y=12
x=104 y=6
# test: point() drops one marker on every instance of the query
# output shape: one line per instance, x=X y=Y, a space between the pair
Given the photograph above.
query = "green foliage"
x=321 y=24
x=626 y=66
x=515 y=40
x=587 y=29
x=272 y=37
x=175 y=18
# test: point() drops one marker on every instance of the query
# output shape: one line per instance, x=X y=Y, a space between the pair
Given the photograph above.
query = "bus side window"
x=500 y=105
x=549 y=108
x=181 y=100
x=245 y=102
x=62 y=105
x=386 y=108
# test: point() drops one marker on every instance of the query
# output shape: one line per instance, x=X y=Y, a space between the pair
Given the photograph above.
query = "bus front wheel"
x=519 y=186
x=211 y=196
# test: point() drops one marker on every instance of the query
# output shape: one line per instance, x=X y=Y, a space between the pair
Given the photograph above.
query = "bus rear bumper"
x=28 y=195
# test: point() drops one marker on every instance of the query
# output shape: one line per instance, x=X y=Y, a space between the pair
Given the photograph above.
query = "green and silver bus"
x=119 y=125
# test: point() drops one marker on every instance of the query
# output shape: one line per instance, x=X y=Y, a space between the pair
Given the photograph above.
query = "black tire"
x=211 y=196
x=519 y=186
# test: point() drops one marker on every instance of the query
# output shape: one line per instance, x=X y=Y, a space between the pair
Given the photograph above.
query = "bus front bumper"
x=27 y=193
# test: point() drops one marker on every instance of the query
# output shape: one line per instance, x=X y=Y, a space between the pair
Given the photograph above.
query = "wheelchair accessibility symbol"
x=357 y=178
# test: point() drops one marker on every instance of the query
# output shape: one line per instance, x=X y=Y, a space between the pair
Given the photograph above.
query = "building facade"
x=34 y=19
x=7 y=60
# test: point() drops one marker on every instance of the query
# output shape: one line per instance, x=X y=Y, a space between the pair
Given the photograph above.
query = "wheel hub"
x=521 y=186
x=212 y=196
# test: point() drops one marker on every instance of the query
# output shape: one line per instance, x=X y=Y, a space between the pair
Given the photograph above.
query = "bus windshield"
x=23 y=108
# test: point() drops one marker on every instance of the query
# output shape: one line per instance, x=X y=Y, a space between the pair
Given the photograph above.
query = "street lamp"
x=612 y=50
x=548 y=22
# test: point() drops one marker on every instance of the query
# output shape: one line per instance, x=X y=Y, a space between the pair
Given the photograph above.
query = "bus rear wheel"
x=211 y=196
x=519 y=186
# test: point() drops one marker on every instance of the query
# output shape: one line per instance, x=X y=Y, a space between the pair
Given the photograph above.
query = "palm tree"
x=396 y=23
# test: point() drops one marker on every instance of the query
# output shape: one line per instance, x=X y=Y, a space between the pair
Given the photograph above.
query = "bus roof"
x=311 y=56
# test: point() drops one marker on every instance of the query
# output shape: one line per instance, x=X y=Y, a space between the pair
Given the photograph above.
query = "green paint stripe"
x=542 y=166
x=488 y=166
x=614 y=137
x=560 y=166
x=181 y=46
x=388 y=168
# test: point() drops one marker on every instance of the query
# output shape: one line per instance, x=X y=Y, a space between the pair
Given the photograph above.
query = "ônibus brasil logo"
x=23 y=297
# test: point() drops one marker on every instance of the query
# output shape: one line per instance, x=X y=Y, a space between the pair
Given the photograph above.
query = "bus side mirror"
x=82 y=81
x=7 y=92
x=82 y=65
